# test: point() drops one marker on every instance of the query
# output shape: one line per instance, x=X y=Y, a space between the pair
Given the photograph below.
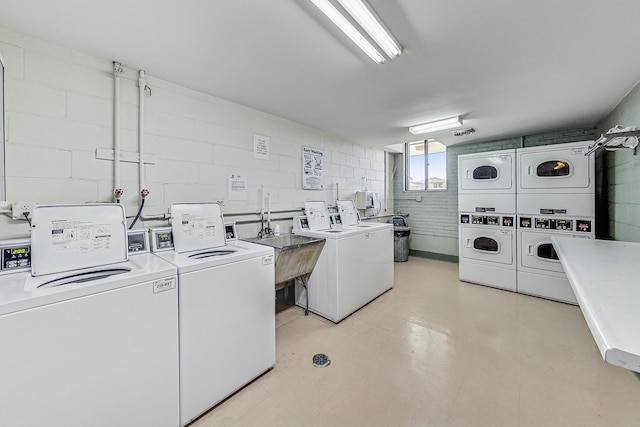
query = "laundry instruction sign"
x=312 y=168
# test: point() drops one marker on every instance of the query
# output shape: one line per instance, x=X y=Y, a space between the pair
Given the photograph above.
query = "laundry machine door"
x=563 y=168
x=488 y=245
x=490 y=172
x=538 y=252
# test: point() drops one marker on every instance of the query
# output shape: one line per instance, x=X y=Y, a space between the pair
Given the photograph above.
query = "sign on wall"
x=261 y=147
x=237 y=187
x=312 y=168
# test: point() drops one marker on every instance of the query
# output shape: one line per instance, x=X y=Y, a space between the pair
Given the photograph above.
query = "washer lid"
x=71 y=237
x=317 y=215
x=197 y=226
x=348 y=212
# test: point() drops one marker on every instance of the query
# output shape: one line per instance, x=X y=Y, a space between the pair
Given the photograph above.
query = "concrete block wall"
x=59 y=108
x=434 y=219
x=623 y=172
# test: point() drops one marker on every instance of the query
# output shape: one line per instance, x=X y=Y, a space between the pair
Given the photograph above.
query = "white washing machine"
x=539 y=270
x=556 y=180
x=226 y=306
x=487 y=182
x=349 y=217
x=355 y=266
x=95 y=345
x=488 y=250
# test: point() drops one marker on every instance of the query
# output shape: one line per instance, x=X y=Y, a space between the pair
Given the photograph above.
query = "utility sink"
x=295 y=255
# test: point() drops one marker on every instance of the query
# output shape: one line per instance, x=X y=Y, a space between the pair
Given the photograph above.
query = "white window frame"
x=407 y=158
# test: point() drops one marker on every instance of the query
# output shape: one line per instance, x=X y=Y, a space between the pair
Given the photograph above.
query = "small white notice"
x=260 y=147
x=237 y=189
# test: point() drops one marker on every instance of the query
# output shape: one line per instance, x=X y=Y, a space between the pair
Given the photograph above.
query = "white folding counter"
x=605 y=276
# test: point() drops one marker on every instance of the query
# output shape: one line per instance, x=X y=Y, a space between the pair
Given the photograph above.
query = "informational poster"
x=312 y=167
x=261 y=147
x=237 y=189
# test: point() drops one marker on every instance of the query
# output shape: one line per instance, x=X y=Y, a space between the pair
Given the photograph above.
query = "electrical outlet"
x=18 y=208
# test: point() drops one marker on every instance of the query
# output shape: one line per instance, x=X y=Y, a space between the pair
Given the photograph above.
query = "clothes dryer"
x=226 y=306
x=487 y=182
x=488 y=250
x=87 y=346
x=556 y=180
x=539 y=270
x=355 y=266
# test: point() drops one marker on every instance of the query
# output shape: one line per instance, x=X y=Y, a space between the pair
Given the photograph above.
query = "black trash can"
x=401 y=235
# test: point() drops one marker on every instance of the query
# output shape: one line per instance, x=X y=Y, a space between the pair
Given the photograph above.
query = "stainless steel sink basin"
x=295 y=255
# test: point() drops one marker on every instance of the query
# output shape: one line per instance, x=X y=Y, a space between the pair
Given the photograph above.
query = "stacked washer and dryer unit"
x=487 y=212
x=554 y=194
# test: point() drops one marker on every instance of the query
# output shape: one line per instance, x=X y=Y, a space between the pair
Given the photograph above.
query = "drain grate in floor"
x=321 y=360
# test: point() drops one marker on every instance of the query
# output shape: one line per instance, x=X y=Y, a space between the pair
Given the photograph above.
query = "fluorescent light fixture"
x=364 y=16
x=341 y=22
x=452 y=122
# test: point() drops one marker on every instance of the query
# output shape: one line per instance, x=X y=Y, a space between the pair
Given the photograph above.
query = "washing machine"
x=487 y=182
x=487 y=253
x=226 y=305
x=348 y=216
x=354 y=268
x=556 y=180
x=89 y=337
x=539 y=270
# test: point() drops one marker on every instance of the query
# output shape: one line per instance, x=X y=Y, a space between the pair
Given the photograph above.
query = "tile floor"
x=435 y=351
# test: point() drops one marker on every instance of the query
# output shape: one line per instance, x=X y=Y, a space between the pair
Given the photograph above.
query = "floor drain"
x=321 y=360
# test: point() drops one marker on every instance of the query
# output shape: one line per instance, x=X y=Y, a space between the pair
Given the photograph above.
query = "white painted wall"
x=623 y=172
x=59 y=106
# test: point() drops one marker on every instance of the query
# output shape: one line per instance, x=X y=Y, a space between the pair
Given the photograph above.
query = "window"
x=425 y=159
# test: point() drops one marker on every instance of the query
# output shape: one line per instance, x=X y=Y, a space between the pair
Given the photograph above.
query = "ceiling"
x=509 y=68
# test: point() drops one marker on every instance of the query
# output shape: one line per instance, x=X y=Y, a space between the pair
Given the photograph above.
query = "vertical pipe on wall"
x=142 y=86
x=117 y=72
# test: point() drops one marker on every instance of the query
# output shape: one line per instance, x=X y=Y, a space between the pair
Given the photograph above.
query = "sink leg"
x=305 y=284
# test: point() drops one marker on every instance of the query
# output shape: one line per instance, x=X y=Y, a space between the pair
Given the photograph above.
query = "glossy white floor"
x=438 y=352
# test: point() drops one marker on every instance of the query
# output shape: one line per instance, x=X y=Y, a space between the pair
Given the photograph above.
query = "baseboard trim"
x=434 y=255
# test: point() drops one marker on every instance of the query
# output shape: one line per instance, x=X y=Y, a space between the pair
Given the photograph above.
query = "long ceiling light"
x=450 y=123
x=352 y=32
x=372 y=25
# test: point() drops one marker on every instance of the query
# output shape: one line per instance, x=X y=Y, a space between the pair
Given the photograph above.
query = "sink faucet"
x=264 y=231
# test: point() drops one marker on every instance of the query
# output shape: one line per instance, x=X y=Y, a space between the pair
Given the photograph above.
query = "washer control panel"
x=161 y=239
x=558 y=224
x=495 y=220
x=15 y=255
x=137 y=242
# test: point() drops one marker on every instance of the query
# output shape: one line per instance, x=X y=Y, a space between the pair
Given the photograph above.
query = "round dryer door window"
x=547 y=251
x=486 y=244
x=553 y=168
x=485 y=172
